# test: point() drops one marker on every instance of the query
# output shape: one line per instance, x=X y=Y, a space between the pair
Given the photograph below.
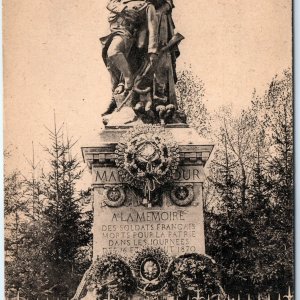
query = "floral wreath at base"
x=149 y=266
x=111 y=274
x=192 y=274
x=147 y=157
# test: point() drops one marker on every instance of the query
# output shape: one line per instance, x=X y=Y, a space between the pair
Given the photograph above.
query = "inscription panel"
x=125 y=230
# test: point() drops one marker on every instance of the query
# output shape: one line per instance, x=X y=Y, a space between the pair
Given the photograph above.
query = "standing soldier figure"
x=127 y=17
x=165 y=75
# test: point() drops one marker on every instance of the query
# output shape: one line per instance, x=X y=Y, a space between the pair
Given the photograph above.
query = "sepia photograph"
x=148 y=150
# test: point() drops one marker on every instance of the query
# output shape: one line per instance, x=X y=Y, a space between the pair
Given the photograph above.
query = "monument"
x=147 y=169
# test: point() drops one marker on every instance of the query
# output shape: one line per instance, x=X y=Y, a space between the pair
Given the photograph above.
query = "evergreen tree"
x=34 y=192
x=14 y=211
x=62 y=214
x=47 y=225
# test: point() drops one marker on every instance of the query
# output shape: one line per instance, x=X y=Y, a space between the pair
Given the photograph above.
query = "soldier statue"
x=140 y=53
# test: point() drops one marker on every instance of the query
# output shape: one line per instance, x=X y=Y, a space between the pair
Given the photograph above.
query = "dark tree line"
x=249 y=222
x=248 y=197
x=48 y=228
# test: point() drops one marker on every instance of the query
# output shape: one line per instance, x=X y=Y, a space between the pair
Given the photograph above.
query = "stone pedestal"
x=124 y=223
x=150 y=227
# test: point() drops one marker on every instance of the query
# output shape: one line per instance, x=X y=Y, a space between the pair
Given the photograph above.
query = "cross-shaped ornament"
x=289 y=296
x=198 y=295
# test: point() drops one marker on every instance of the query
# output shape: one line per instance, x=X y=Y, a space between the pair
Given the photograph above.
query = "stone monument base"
x=148 y=225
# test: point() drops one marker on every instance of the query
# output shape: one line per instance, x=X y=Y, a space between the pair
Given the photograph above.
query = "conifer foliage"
x=42 y=245
x=62 y=211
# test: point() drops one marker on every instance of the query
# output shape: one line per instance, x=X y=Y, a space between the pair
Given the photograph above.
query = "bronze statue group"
x=140 y=54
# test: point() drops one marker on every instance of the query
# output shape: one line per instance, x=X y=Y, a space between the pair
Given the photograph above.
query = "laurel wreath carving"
x=182 y=195
x=147 y=157
x=114 y=196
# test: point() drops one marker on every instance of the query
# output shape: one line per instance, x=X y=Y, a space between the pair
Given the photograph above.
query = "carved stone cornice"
x=193 y=150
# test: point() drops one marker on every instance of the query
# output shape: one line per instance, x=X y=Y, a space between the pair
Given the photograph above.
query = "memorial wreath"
x=193 y=274
x=150 y=265
x=112 y=275
x=147 y=157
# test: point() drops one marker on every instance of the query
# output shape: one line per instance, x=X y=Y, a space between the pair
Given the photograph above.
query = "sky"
x=52 y=62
